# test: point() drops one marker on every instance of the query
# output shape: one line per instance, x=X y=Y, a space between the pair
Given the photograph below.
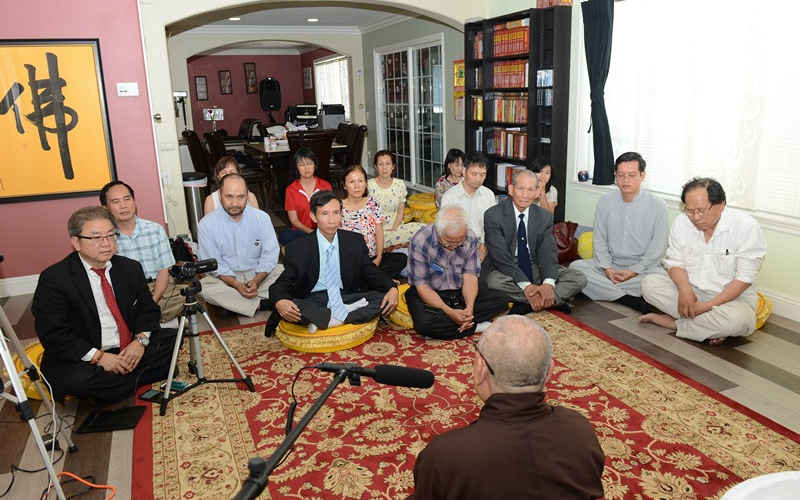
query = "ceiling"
x=287 y=18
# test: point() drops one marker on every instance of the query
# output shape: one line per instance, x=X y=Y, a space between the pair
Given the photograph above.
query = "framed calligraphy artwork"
x=53 y=120
x=250 y=78
x=225 y=86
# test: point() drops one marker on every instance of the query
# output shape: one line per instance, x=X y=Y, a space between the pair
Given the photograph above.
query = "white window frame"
x=348 y=107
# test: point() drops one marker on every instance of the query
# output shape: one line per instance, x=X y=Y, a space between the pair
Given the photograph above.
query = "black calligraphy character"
x=48 y=100
x=10 y=102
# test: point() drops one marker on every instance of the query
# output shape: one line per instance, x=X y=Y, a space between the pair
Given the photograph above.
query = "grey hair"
x=519 y=350
x=524 y=173
x=86 y=214
x=450 y=217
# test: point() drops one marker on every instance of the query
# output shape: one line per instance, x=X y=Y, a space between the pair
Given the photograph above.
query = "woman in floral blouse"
x=391 y=193
x=452 y=173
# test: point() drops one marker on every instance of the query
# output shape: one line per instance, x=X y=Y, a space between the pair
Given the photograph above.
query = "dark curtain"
x=598 y=26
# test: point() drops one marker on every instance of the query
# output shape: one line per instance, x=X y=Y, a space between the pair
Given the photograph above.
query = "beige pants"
x=216 y=292
x=736 y=318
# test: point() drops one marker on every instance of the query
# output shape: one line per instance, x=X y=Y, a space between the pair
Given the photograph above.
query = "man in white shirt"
x=629 y=238
x=473 y=196
x=243 y=242
x=713 y=258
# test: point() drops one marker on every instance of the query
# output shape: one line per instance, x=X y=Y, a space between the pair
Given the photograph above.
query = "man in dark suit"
x=96 y=318
x=327 y=273
x=524 y=264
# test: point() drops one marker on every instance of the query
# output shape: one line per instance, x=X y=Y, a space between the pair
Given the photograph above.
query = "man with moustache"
x=96 y=318
x=523 y=256
x=629 y=238
x=242 y=241
x=146 y=242
x=713 y=259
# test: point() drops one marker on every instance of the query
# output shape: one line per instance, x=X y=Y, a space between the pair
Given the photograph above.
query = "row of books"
x=509 y=107
x=511 y=41
x=510 y=74
x=505 y=174
x=508 y=142
x=477 y=108
x=544 y=97
x=477 y=45
x=516 y=23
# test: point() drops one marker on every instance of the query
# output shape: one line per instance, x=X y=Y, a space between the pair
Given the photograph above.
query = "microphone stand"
x=260 y=469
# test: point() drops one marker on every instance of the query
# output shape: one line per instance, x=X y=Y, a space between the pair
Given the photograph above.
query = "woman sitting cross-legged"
x=362 y=214
x=299 y=192
x=391 y=193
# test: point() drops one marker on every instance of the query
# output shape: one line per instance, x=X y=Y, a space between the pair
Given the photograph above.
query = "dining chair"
x=341 y=138
x=355 y=146
x=201 y=159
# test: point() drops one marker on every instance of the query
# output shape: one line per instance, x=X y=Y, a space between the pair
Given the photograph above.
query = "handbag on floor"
x=564 y=233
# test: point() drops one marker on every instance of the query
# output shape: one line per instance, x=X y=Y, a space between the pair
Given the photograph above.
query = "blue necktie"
x=523 y=256
x=333 y=280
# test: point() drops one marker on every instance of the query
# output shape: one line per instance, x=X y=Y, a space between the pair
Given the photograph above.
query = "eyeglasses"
x=631 y=175
x=475 y=345
x=98 y=239
x=700 y=212
x=450 y=245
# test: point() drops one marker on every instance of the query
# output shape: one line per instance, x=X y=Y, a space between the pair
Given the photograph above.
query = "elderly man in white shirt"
x=473 y=196
x=713 y=259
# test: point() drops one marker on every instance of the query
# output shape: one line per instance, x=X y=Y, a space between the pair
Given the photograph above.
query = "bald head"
x=519 y=351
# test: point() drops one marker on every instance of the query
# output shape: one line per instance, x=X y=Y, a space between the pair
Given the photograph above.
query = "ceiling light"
x=234 y=19
x=312 y=20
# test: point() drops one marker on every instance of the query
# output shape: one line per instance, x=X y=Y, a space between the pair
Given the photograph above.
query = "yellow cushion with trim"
x=400 y=315
x=763 y=311
x=408 y=215
x=296 y=336
x=34 y=351
x=428 y=216
x=421 y=202
x=585 y=245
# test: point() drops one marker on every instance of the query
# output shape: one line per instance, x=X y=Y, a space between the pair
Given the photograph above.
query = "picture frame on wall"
x=308 y=79
x=250 y=78
x=225 y=86
x=201 y=88
x=57 y=145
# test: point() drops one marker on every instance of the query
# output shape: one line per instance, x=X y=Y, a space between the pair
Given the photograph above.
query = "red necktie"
x=111 y=302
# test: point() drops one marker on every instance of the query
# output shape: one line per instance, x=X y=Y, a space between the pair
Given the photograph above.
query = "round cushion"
x=585 y=245
x=763 y=311
x=408 y=215
x=34 y=352
x=428 y=216
x=400 y=315
x=421 y=202
x=296 y=336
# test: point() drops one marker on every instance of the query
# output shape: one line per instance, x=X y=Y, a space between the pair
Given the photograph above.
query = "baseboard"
x=784 y=305
x=22 y=285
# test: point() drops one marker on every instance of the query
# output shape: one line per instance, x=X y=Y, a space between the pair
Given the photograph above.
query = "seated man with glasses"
x=713 y=259
x=96 y=318
x=629 y=238
x=443 y=268
x=523 y=256
x=520 y=446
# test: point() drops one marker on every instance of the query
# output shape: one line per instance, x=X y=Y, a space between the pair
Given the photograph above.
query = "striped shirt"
x=149 y=245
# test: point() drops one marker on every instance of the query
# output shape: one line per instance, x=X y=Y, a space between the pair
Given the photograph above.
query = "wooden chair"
x=201 y=160
x=341 y=138
x=355 y=146
x=319 y=141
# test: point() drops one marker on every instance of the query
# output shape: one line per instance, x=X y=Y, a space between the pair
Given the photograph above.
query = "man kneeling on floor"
x=96 y=318
x=327 y=273
x=520 y=446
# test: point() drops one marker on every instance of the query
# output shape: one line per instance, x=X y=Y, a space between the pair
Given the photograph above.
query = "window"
x=332 y=82
x=706 y=88
x=411 y=116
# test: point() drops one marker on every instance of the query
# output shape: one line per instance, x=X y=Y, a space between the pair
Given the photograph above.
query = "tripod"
x=190 y=308
x=21 y=399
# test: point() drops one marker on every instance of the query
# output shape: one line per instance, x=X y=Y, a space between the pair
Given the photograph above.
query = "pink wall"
x=240 y=105
x=307 y=61
x=33 y=235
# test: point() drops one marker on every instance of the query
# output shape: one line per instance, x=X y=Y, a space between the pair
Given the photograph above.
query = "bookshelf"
x=517 y=92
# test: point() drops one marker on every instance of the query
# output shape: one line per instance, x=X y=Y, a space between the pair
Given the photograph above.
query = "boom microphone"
x=401 y=376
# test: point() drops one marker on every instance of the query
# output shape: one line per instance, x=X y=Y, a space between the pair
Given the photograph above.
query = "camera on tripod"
x=183 y=271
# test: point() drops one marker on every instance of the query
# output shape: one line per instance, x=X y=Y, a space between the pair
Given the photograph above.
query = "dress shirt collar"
x=527 y=211
x=89 y=268
x=323 y=242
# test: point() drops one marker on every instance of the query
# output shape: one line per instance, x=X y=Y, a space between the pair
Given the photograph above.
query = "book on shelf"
x=477 y=107
x=508 y=107
x=510 y=74
x=513 y=24
x=509 y=41
x=478 y=78
x=505 y=174
x=479 y=138
x=507 y=142
x=477 y=45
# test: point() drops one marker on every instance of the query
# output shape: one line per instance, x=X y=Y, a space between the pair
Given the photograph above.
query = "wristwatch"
x=143 y=340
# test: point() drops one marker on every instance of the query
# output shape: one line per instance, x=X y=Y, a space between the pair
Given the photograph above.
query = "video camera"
x=186 y=270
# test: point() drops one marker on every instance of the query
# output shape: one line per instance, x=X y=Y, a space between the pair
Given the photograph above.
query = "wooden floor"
x=761 y=372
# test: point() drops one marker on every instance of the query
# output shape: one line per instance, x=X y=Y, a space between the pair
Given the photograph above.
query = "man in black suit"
x=524 y=264
x=307 y=293
x=96 y=318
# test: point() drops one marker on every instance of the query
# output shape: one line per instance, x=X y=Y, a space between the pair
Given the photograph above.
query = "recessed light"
x=312 y=20
x=234 y=19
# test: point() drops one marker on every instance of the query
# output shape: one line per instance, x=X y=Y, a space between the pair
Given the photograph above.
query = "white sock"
x=335 y=322
x=482 y=326
x=356 y=305
x=312 y=328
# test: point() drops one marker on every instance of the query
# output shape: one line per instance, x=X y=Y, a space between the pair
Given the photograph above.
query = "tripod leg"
x=246 y=378
x=195 y=351
x=165 y=398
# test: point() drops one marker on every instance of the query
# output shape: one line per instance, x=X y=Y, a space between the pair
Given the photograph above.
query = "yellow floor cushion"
x=408 y=215
x=421 y=202
x=34 y=352
x=585 y=245
x=428 y=216
x=296 y=336
x=763 y=311
x=400 y=315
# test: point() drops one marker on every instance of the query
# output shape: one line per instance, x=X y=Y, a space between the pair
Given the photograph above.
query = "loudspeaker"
x=270 y=92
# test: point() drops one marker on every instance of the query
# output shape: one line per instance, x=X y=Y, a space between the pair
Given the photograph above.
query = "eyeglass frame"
x=630 y=175
x=475 y=345
x=97 y=240
x=452 y=246
x=702 y=212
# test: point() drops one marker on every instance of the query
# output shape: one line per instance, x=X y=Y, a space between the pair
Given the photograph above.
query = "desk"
x=257 y=149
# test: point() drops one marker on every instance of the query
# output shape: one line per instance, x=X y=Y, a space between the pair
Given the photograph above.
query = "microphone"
x=401 y=376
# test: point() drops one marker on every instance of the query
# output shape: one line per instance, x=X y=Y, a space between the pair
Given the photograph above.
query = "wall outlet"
x=166 y=179
x=130 y=89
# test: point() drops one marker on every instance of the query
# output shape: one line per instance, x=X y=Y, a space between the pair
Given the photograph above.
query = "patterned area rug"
x=665 y=437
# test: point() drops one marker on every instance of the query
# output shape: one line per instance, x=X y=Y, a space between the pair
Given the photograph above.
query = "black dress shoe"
x=225 y=314
x=563 y=307
x=520 y=308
